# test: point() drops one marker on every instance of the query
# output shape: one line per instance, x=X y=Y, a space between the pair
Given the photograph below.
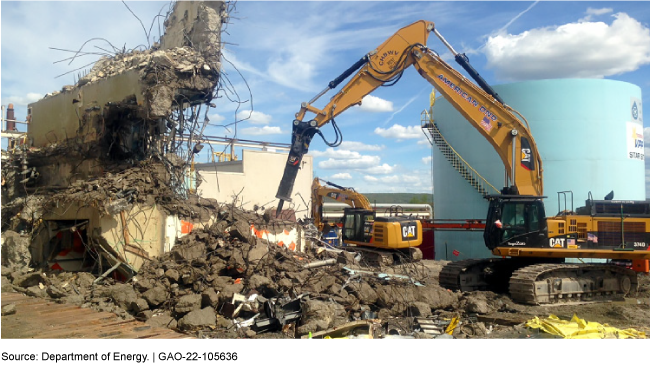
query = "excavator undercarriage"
x=386 y=257
x=540 y=283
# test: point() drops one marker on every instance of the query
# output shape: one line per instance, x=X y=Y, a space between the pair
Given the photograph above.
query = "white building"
x=254 y=180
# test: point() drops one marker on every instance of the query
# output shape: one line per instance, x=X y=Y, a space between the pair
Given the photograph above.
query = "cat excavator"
x=529 y=247
x=380 y=239
x=336 y=192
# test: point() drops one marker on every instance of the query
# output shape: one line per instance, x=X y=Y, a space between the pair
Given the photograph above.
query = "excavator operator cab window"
x=357 y=225
x=519 y=218
x=513 y=220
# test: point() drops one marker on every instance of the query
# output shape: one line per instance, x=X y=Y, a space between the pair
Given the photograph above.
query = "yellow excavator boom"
x=480 y=105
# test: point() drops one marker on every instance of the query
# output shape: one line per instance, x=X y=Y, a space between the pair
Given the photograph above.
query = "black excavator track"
x=535 y=283
x=477 y=274
x=384 y=257
x=567 y=283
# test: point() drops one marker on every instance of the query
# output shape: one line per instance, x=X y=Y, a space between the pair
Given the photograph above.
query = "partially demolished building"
x=99 y=179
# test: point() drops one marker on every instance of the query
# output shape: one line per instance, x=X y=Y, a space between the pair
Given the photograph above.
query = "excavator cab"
x=357 y=225
x=515 y=221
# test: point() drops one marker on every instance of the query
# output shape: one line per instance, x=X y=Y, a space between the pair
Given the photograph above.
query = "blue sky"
x=287 y=52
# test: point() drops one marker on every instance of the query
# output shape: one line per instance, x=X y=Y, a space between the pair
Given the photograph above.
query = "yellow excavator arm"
x=480 y=105
x=339 y=193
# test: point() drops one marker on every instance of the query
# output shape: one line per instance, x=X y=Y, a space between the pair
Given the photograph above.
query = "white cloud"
x=582 y=50
x=342 y=176
x=394 y=179
x=286 y=69
x=426 y=160
x=22 y=100
x=353 y=160
x=419 y=179
x=336 y=153
x=360 y=146
x=216 y=118
x=254 y=117
x=380 y=169
x=374 y=104
x=363 y=162
x=400 y=132
x=260 y=131
x=591 y=12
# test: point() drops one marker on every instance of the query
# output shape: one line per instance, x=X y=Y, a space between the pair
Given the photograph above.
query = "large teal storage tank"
x=590 y=136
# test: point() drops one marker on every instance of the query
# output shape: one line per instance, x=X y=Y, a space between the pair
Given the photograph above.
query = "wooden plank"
x=39 y=318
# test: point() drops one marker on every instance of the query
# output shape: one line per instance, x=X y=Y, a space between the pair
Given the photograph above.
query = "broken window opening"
x=68 y=248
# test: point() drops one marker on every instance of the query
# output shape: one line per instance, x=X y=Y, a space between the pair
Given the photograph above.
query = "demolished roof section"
x=180 y=72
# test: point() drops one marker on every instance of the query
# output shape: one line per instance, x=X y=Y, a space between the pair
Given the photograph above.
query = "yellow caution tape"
x=581 y=329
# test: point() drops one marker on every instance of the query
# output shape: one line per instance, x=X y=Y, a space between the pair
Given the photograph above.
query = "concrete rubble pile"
x=224 y=282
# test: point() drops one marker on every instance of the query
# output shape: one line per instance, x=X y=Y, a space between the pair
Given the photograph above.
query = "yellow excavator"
x=532 y=250
x=384 y=237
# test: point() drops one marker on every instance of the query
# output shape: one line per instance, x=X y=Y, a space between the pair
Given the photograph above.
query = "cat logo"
x=527 y=161
x=556 y=242
x=525 y=155
x=409 y=232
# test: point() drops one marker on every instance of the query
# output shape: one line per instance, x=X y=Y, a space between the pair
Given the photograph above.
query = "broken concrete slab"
x=197 y=319
x=15 y=250
x=123 y=295
x=156 y=295
x=418 y=309
x=364 y=292
x=210 y=298
x=8 y=309
x=29 y=279
x=319 y=316
x=139 y=305
x=187 y=303
x=162 y=320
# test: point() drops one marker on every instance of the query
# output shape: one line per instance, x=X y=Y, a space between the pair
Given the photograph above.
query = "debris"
x=316 y=264
x=363 y=329
x=197 y=319
x=381 y=275
x=8 y=309
x=278 y=313
x=15 y=250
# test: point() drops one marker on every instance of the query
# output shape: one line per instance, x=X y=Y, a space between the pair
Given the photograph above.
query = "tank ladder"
x=475 y=179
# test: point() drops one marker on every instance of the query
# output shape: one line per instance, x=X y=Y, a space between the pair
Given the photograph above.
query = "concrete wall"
x=149 y=231
x=258 y=183
x=56 y=118
x=196 y=24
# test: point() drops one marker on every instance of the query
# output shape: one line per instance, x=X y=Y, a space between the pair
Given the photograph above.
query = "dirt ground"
x=631 y=312
x=484 y=315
